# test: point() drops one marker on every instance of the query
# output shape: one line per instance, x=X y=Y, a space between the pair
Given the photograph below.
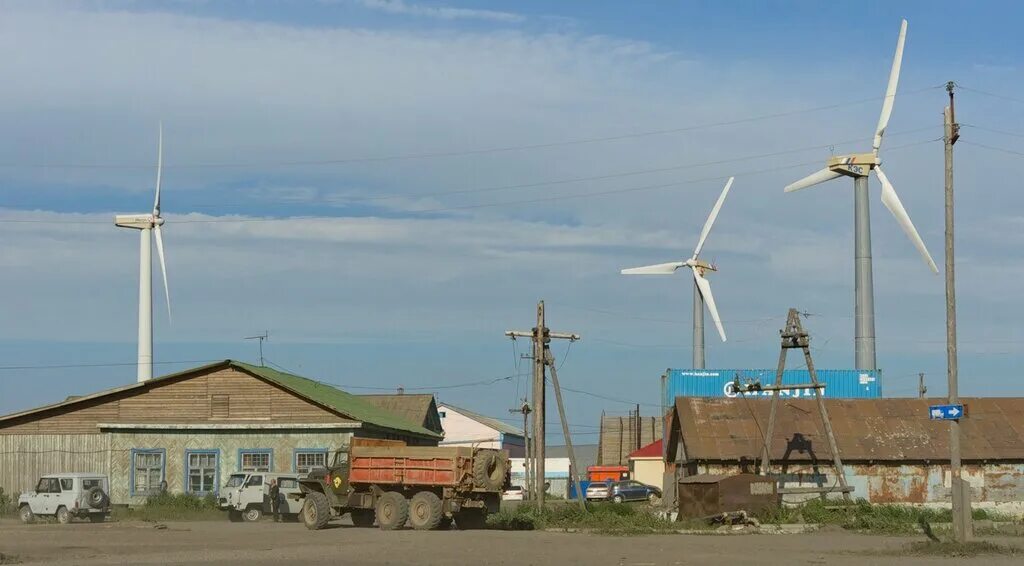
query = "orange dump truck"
x=389 y=483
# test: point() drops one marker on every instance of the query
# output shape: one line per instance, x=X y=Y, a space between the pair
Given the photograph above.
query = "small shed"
x=703 y=495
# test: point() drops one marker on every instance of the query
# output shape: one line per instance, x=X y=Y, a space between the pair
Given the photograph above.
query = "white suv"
x=65 y=496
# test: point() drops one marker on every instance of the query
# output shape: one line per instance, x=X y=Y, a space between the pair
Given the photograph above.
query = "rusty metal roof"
x=865 y=429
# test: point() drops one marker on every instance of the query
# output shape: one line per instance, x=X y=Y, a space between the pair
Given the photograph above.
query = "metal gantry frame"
x=795 y=337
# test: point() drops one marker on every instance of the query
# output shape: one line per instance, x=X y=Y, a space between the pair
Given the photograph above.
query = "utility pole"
x=541 y=335
x=922 y=389
x=261 y=338
x=525 y=410
x=963 y=527
x=573 y=469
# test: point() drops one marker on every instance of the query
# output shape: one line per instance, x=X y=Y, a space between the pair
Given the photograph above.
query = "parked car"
x=631 y=490
x=597 y=491
x=66 y=496
x=246 y=496
x=513 y=493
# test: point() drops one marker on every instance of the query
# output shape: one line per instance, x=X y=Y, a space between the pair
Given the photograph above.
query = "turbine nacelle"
x=137 y=221
x=856 y=165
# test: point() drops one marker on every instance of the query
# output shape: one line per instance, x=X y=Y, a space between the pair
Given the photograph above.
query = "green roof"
x=335 y=399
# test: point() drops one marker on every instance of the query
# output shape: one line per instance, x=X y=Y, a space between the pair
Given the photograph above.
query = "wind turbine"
x=701 y=287
x=859 y=166
x=147 y=224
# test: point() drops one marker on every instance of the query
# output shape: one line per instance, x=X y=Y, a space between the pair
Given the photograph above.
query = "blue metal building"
x=839 y=383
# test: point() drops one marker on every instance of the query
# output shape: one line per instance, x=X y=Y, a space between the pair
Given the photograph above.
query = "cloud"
x=89 y=86
x=439 y=12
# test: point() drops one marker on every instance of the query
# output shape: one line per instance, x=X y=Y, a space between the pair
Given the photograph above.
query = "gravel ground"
x=290 y=543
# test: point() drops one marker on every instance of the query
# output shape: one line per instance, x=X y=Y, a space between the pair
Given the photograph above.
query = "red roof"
x=652 y=450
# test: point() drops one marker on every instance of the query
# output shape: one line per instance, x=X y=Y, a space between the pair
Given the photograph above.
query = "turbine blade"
x=711 y=218
x=159 y=168
x=890 y=91
x=892 y=202
x=812 y=179
x=709 y=300
x=659 y=269
x=163 y=266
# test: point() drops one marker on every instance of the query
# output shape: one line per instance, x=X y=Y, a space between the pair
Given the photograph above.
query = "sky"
x=386 y=187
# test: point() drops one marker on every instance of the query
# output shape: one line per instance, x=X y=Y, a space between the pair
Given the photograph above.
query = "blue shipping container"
x=839 y=383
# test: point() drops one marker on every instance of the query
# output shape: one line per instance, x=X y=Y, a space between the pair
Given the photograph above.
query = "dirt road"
x=275 y=544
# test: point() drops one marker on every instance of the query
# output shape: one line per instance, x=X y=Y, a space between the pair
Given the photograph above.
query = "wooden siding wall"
x=180 y=401
x=23 y=458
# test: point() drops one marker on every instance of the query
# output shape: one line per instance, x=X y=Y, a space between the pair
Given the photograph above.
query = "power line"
x=992 y=94
x=606 y=398
x=97 y=365
x=993 y=130
x=563 y=181
x=467 y=152
x=226 y=220
x=992 y=148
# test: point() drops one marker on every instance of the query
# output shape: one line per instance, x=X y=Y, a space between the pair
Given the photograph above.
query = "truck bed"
x=410 y=465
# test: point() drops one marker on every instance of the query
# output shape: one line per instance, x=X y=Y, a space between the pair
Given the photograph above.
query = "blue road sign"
x=945 y=412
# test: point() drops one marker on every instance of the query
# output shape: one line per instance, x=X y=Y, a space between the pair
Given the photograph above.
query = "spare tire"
x=489 y=470
x=96 y=499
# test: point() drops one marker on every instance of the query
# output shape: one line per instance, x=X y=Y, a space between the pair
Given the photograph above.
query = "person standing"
x=275 y=500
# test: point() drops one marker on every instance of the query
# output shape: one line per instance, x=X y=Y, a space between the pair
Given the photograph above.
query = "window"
x=67 y=484
x=48 y=485
x=254 y=460
x=254 y=480
x=305 y=460
x=201 y=472
x=147 y=471
x=235 y=480
x=288 y=483
x=442 y=414
x=89 y=484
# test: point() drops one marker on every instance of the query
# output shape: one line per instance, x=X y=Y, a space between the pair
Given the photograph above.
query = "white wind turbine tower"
x=701 y=287
x=147 y=224
x=858 y=166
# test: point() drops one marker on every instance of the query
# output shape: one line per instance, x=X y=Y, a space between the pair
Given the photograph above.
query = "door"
x=67 y=494
x=638 y=491
x=255 y=491
x=289 y=487
x=46 y=494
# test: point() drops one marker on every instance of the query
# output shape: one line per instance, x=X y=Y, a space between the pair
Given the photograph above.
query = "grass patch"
x=604 y=518
x=9 y=558
x=171 y=507
x=863 y=516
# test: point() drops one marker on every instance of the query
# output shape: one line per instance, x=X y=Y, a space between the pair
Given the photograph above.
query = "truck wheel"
x=316 y=511
x=63 y=515
x=392 y=511
x=425 y=511
x=26 y=514
x=96 y=498
x=470 y=519
x=363 y=517
x=235 y=516
x=489 y=469
x=252 y=514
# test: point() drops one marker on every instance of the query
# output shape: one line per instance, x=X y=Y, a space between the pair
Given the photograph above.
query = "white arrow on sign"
x=954 y=411
x=937 y=413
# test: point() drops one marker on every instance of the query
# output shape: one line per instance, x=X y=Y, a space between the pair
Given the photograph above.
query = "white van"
x=246 y=496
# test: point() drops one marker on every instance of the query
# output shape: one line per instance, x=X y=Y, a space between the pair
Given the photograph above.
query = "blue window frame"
x=148 y=470
x=202 y=471
x=304 y=459
x=255 y=459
